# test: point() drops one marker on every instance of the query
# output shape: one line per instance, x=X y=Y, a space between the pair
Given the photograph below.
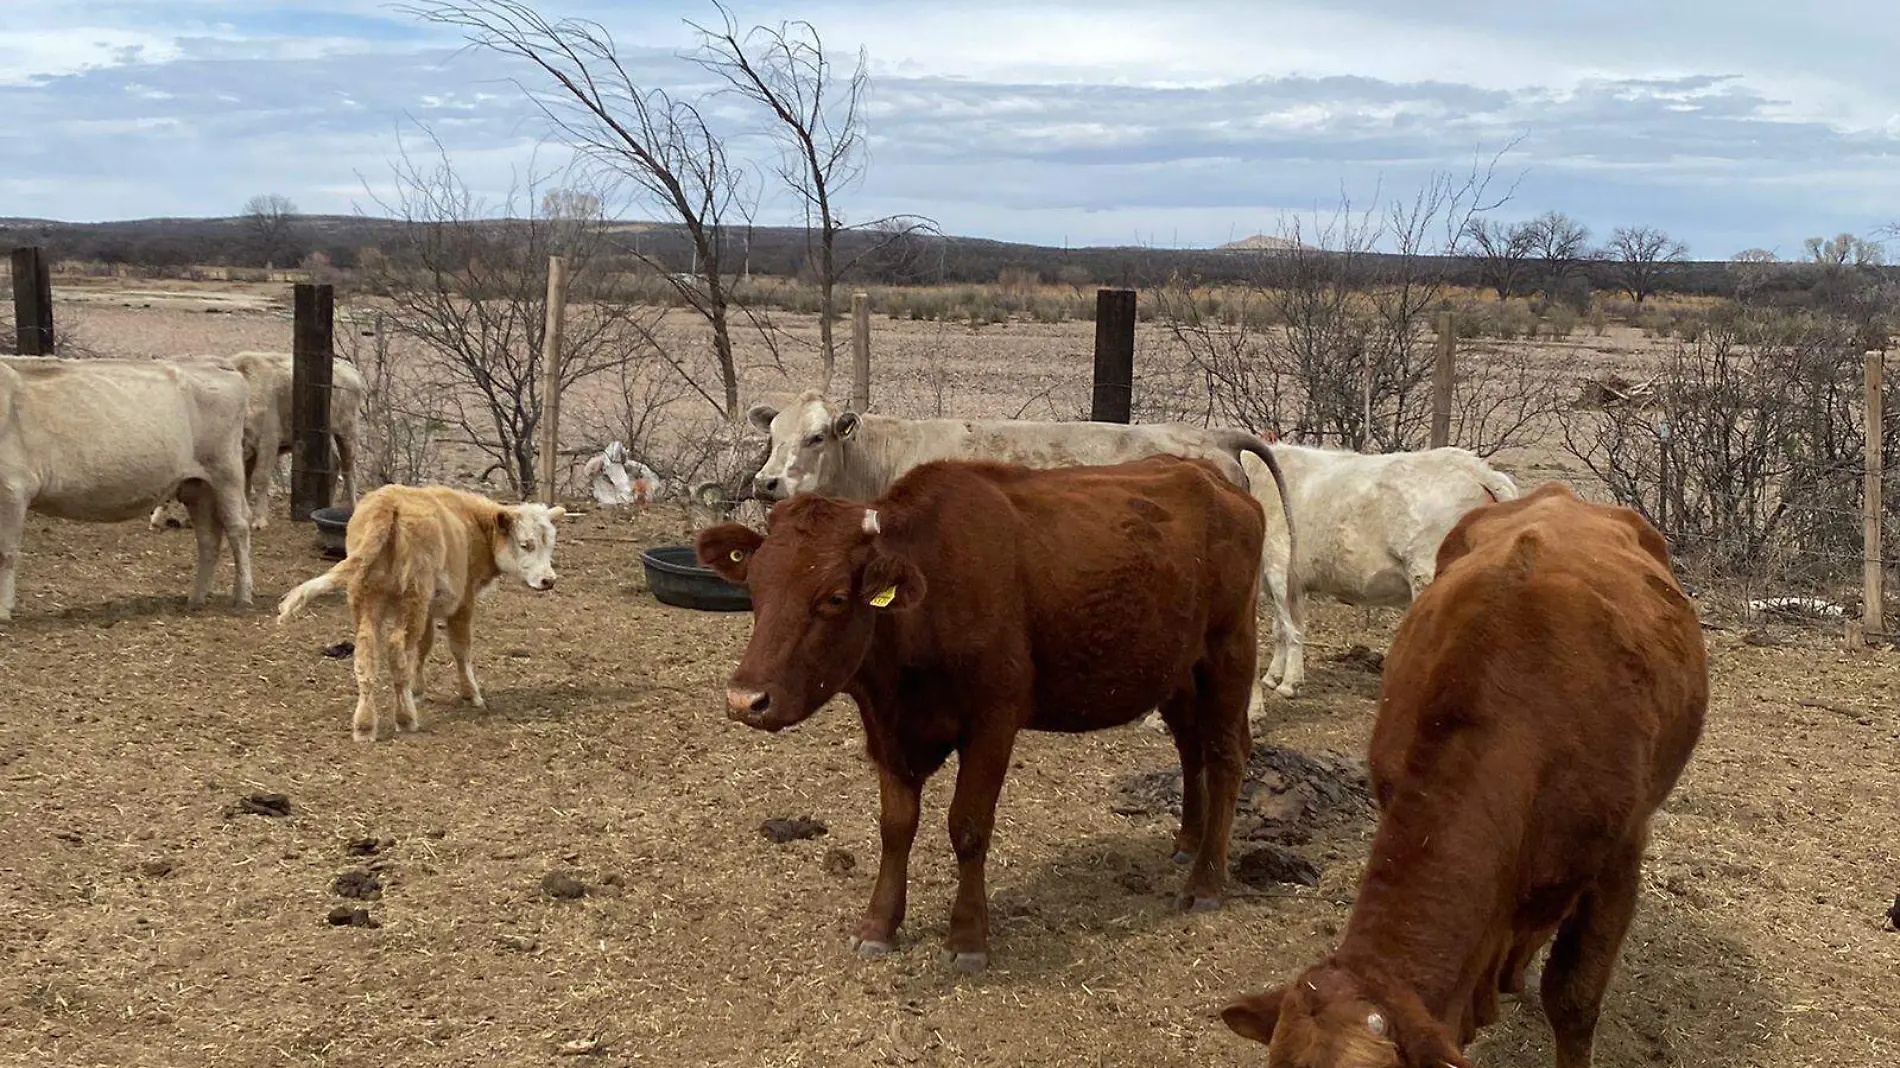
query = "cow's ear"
x=761 y=416
x=727 y=549
x=505 y=522
x=892 y=583
x=845 y=425
x=1254 y=1015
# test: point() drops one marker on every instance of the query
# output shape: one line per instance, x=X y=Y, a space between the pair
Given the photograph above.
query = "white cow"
x=105 y=440
x=817 y=448
x=267 y=435
x=1369 y=528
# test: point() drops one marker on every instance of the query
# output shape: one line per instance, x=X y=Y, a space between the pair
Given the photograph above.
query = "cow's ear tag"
x=884 y=597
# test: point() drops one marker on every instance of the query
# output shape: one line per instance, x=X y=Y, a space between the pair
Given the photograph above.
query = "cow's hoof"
x=1200 y=904
x=361 y=735
x=1286 y=689
x=1181 y=856
x=967 y=963
x=869 y=948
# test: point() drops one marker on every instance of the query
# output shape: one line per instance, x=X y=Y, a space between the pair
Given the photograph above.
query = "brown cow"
x=1541 y=697
x=975 y=599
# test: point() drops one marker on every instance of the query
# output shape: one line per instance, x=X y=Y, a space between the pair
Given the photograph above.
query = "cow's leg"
x=1584 y=954
x=461 y=634
x=411 y=630
x=257 y=479
x=370 y=652
x=12 y=528
x=233 y=515
x=423 y=647
x=346 y=463
x=1288 y=669
x=981 y=765
x=899 y=806
x=202 y=505
x=1179 y=714
x=1518 y=961
x=1222 y=684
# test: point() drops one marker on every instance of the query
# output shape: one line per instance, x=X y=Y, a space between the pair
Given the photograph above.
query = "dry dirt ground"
x=153 y=920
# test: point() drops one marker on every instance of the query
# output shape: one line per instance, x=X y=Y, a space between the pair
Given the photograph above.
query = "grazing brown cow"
x=1541 y=697
x=976 y=599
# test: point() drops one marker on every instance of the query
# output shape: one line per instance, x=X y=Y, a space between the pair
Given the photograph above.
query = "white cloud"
x=1734 y=124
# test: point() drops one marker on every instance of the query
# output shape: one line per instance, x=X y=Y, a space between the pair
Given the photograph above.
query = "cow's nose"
x=747 y=704
x=771 y=485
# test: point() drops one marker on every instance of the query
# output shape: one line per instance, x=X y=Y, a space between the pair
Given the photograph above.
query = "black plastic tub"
x=676 y=577
x=332 y=525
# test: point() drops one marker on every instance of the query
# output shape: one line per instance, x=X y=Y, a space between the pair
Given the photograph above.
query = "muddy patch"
x=1293 y=809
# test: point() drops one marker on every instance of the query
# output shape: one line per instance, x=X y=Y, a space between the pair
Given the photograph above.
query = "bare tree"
x=271 y=221
x=662 y=145
x=1844 y=250
x=817 y=119
x=1560 y=244
x=1750 y=270
x=470 y=285
x=1503 y=252
x=1642 y=258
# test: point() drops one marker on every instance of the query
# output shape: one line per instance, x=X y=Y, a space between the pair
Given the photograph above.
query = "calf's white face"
x=808 y=442
x=525 y=548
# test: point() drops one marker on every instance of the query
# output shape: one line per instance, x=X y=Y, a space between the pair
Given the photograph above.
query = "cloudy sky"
x=1730 y=123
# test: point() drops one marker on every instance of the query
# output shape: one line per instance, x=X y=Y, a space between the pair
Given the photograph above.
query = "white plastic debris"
x=616 y=478
x=1797 y=606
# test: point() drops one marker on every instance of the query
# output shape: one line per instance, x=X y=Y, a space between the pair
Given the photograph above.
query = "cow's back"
x=1112 y=576
x=1555 y=648
x=107 y=440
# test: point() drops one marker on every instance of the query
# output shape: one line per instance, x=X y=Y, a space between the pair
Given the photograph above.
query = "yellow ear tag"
x=884 y=597
x=737 y=556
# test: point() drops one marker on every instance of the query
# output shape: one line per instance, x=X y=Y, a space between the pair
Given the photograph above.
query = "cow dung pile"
x=1293 y=806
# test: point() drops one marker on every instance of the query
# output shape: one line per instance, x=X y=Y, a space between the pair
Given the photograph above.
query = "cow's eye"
x=815 y=439
x=836 y=600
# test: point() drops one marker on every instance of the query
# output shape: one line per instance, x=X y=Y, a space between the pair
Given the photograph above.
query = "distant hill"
x=768 y=250
x=1261 y=243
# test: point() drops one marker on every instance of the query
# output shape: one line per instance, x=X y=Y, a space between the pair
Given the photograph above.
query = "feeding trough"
x=332 y=525
x=675 y=576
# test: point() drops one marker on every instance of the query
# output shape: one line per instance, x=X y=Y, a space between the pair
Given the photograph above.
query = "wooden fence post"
x=1873 y=592
x=312 y=353
x=1442 y=380
x=1662 y=478
x=860 y=351
x=32 y=302
x=1114 y=356
x=550 y=424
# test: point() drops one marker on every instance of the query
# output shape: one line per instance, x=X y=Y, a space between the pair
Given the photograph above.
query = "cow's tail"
x=1240 y=442
x=298 y=599
x=373 y=556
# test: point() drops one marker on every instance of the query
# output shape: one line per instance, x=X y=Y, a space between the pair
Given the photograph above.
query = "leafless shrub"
x=403 y=418
x=472 y=289
x=1749 y=452
x=1334 y=341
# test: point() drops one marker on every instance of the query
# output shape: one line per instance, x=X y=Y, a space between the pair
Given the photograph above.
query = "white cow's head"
x=809 y=437
x=524 y=543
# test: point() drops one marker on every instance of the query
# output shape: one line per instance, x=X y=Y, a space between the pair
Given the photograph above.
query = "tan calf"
x=416 y=555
